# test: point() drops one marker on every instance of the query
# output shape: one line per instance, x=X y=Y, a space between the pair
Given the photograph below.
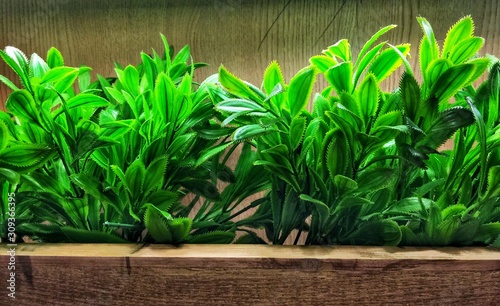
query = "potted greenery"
x=111 y=161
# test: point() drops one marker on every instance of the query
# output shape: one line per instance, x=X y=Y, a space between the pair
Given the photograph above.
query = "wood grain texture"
x=245 y=36
x=252 y=275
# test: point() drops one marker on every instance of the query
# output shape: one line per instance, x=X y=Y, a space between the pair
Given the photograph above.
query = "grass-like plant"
x=364 y=166
x=111 y=161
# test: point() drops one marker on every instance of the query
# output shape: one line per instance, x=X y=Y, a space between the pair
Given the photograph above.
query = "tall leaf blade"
x=300 y=89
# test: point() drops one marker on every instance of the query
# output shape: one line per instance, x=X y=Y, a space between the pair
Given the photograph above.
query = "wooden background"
x=244 y=35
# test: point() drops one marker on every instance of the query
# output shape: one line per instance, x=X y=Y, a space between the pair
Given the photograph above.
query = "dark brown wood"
x=77 y=274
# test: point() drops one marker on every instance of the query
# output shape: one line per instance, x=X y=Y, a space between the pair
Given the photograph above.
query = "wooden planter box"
x=128 y=274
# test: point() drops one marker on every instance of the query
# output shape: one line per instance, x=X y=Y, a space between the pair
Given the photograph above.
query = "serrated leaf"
x=368 y=97
x=337 y=156
x=251 y=131
x=429 y=48
x=435 y=69
x=135 y=176
x=299 y=90
x=37 y=66
x=236 y=86
x=272 y=77
x=322 y=62
x=340 y=76
x=388 y=61
x=451 y=81
x=410 y=95
x=21 y=104
x=374 y=179
x=461 y=30
x=341 y=49
x=25 y=155
x=156 y=222
x=154 y=174
x=466 y=49
x=239 y=105
x=297 y=130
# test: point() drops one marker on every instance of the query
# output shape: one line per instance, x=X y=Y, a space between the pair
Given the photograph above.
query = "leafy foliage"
x=143 y=156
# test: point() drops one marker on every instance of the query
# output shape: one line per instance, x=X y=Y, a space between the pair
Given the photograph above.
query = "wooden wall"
x=244 y=35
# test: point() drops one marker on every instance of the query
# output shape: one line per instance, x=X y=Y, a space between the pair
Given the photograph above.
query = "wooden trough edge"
x=128 y=274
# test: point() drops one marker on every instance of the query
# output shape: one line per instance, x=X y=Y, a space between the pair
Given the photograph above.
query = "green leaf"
x=340 y=49
x=153 y=177
x=202 y=188
x=337 y=156
x=18 y=62
x=366 y=60
x=9 y=175
x=300 y=89
x=340 y=76
x=446 y=124
x=215 y=237
x=235 y=85
x=374 y=179
x=21 y=104
x=410 y=95
x=9 y=83
x=156 y=222
x=380 y=232
x=462 y=30
x=364 y=50
x=251 y=131
x=83 y=100
x=37 y=66
x=54 y=58
x=322 y=62
x=493 y=189
x=211 y=152
x=388 y=61
x=94 y=187
x=451 y=81
x=4 y=135
x=297 y=130
x=435 y=69
x=466 y=49
x=76 y=235
x=344 y=185
x=25 y=155
x=239 y=105
x=429 y=48
x=179 y=228
x=322 y=208
x=135 y=176
x=272 y=77
x=368 y=97
x=180 y=144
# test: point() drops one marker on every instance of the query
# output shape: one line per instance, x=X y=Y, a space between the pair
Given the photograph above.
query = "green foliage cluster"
x=113 y=160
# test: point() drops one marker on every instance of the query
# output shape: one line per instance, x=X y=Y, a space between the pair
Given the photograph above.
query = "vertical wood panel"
x=245 y=36
x=229 y=32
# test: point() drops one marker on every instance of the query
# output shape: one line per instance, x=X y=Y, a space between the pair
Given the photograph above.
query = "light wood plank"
x=250 y=275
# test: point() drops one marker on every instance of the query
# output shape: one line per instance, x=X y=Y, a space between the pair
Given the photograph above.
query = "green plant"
x=319 y=161
x=364 y=166
x=110 y=161
x=450 y=197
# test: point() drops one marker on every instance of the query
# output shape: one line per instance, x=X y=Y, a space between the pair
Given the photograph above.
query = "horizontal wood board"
x=252 y=275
